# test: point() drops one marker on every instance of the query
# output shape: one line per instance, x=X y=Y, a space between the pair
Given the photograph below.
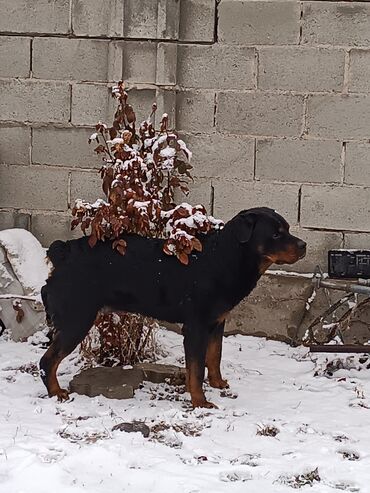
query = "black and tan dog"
x=145 y=280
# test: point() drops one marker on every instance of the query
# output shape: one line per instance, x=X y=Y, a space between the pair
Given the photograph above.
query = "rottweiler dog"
x=147 y=281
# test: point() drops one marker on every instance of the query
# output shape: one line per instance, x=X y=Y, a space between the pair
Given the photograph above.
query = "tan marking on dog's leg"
x=213 y=362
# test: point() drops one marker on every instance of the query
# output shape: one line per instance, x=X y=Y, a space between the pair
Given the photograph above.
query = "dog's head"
x=267 y=233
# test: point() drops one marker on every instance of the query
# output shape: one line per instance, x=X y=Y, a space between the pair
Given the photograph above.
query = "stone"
x=86 y=186
x=195 y=111
x=113 y=383
x=258 y=22
x=134 y=427
x=274 y=309
x=335 y=207
x=197 y=20
x=33 y=187
x=15 y=56
x=207 y=67
x=300 y=68
x=120 y=383
x=336 y=23
x=15 y=144
x=50 y=227
x=221 y=155
x=357 y=164
x=64 y=147
x=231 y=196
x=139 y=61
x=91 y=103
x=90 y=19
x=298 y=160
x=30 y=101
x=359 y=71
x=258 y=113
x=162 y=373
x=70 y=59
x=338 y=116
x=41 y=16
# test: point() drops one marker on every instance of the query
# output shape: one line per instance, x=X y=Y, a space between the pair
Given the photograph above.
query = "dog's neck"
x=238 y=267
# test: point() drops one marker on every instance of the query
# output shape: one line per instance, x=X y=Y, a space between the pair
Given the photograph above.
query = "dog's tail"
x=58 y=252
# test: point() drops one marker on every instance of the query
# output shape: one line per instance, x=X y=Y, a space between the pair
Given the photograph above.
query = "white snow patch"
x=27 y=258
x=70 y=447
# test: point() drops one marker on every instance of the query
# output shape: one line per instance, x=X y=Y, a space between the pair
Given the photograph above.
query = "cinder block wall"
x=273 y=97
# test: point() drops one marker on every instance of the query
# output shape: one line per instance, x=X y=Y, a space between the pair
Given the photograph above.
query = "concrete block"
x=301 y=68
x=157 y=19
x=258 y=22
x=318 y=244
x=50 y=227
x=338 y=116
x=336 y=23
x=142 y=101
x=139 y=61
x=92 y=103
x=34 y=101
x=216 y=66
x=71 y=59
x=153 y=372
x=274 y=309
x=357 y=164
x=335 y=207
x=298 y=160
x=233 y=196
x=15 y=144
x=86 y=186
x=359 y=71
x=31 y=187
x=166 y=64
x=166 y=103
x=221 y=156
x=200 y=192
x=195 y=111
x=113 y=383
x=168 y=19
x=260 y=114
x=357 y=240
x=43 y=16
x=14 y=219
x=97 y=18
x=64 y=147
x=197 y=20
x=15 y=56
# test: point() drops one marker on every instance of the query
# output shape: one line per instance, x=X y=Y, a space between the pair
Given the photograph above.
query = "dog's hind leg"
x=213 y=357
x=69 y=334
x=195 y=345
x=48 y=368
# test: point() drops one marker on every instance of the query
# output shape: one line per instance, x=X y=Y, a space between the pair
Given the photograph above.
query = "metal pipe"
x=347 y=287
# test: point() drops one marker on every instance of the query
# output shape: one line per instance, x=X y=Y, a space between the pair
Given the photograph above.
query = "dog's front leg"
x=213 y=357
x=195 y=345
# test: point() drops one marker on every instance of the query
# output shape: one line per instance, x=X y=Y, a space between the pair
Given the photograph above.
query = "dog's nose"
x=301 y=245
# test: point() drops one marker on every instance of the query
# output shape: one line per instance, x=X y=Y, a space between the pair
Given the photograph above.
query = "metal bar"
x=18 y=297
x=338 y=348
x=348 y=287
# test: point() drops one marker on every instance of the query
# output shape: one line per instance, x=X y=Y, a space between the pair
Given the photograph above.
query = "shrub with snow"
x=141 y=171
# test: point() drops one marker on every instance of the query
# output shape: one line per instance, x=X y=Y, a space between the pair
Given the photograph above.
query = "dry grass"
x=120 y=339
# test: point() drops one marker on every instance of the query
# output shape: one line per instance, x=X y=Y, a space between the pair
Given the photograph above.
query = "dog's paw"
x=204 y=404
x=218 y=383
x=62 y=395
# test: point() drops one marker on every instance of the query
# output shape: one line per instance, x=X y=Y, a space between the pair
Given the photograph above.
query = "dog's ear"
x=245 y=222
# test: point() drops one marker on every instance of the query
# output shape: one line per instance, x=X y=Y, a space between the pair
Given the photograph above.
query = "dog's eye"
x=276 y=236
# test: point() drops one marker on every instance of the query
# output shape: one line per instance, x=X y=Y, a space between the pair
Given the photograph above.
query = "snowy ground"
x=322 y=422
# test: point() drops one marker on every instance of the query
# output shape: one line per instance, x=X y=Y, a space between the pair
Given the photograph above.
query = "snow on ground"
x=322 y=422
